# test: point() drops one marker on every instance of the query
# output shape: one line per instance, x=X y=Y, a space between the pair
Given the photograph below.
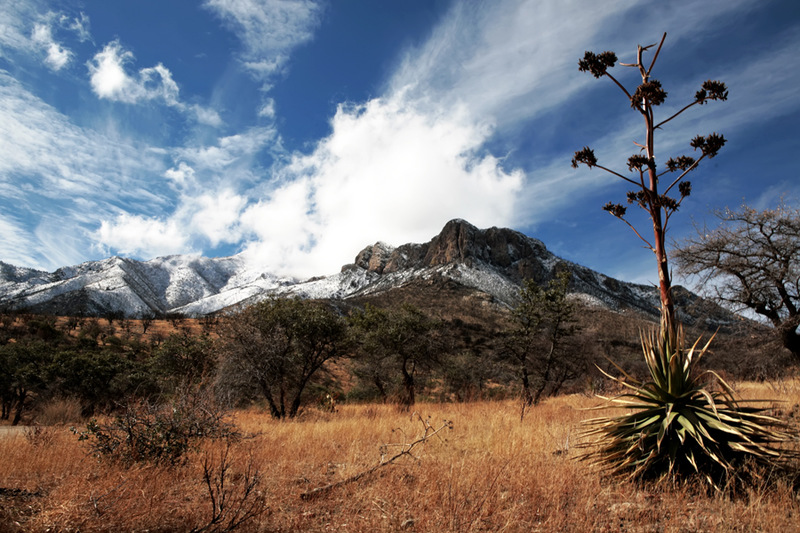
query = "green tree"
x=185 y=359
x=543 y=323
x=395 y=342
x=99 y=377
x=751 y=261
x=279 y=346
x=24 y=365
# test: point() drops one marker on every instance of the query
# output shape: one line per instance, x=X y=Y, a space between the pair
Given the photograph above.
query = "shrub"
x=163 y=434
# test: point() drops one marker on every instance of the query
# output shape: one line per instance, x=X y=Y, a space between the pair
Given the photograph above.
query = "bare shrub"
x=234 y=497
x=163 y=434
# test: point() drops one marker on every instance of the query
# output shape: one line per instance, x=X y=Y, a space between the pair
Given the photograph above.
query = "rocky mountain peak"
x=516 y=255
x=492 y=262
x=373 y=258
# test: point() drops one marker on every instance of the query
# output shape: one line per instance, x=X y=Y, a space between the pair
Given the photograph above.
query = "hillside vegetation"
x=489 y=472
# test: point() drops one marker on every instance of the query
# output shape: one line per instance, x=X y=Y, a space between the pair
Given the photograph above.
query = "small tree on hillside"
x=543 y=321
x=395 y=342
x=752 y=261
x=278 y=346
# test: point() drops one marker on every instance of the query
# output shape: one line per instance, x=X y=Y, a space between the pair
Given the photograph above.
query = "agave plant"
x=678 y=426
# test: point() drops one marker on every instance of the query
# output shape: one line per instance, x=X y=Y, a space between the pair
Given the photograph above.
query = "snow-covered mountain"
x=493 y=261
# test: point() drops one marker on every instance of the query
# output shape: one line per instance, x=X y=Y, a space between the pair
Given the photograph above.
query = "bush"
x=163 y=434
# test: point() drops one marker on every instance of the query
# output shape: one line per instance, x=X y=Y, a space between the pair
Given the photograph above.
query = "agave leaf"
x=668 y=418
x=693 y=420
x=690 y=458
x=710 y=401
x=702 y=428
x=618 y=380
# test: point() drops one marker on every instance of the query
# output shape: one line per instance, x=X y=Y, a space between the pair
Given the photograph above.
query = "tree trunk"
x=527 y=397
x=20 y=406
x=791 y=340
x=273 y=409
x=376 y=379
x=408 y=396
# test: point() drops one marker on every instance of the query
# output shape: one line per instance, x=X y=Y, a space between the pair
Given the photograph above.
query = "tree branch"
x=405 y=450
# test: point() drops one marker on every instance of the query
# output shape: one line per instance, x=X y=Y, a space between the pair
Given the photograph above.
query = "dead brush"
x=234 y=497
x=39 y=436
x=389 y=454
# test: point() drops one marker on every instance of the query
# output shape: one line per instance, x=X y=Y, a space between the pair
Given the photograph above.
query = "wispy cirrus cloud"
x=81 y=175
x=268 y=29
x=30 y=27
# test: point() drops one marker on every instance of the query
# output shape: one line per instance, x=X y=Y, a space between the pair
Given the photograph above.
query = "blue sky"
x=299 y=131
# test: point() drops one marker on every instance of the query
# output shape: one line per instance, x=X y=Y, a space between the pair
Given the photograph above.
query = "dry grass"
x=491 y=472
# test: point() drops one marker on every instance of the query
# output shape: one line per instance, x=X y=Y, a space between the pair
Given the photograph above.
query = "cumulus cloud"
x=181 y=175
x=387 y=172
x=215 y=217
x=200 y=221
x=111 y=80
x=143 y=236
x=57 y=55
x=268 y=29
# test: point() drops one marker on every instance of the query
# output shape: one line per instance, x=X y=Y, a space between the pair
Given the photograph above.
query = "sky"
x=297 y=132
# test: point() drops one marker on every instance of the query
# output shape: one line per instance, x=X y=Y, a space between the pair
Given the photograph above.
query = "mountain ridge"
x=493 y=261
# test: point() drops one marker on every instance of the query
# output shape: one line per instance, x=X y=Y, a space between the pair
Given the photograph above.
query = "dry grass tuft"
x=491 y=472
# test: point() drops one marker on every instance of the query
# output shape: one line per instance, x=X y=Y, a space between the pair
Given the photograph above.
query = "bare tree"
x=751 y=261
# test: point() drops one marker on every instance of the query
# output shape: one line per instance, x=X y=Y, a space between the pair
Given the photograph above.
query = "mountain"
x=491 y=262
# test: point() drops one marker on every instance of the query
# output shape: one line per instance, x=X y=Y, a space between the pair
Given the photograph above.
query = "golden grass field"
x=490 y=472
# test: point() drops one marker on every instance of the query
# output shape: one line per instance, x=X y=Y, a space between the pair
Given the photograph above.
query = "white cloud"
x=207 y=116
x=199 y=221
x=110 y=80
x=79 y=25
x=267 y=109
x=57 y=56
x=387 y=172
x=28 y=26
x=182 y=175
x=15 y=246
x=268 y=29
x=239 y=150
x=143 y=236
x=216 y=216
x=15 y=29
x=64 y=179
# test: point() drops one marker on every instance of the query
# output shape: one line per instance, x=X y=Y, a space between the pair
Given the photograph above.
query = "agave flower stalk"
x=652 y=189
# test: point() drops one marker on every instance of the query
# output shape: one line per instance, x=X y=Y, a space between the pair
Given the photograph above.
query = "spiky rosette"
x=676 y=426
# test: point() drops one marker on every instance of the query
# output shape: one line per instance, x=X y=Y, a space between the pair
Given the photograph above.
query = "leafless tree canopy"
x=752 y=261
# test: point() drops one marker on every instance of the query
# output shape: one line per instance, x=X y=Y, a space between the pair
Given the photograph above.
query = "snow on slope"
x=491 y=261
